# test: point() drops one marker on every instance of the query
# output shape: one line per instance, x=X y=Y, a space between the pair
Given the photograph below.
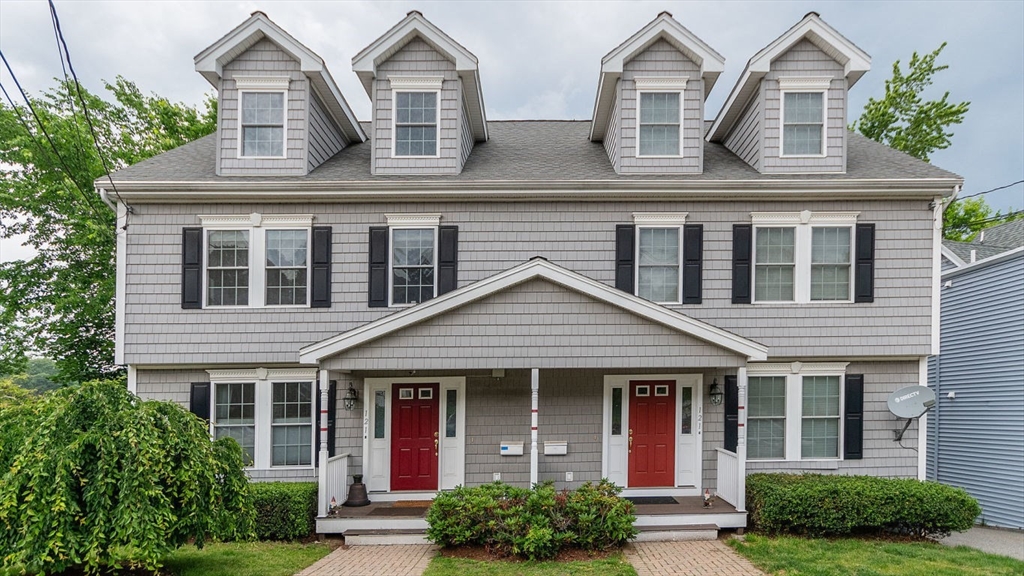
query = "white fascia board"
x=536 y=268
x=1003 y=257
x=213 y=59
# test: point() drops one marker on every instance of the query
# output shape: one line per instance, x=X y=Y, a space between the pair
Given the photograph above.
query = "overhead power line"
x=1012 y=184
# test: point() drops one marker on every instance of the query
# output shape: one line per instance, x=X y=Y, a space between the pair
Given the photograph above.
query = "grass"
x=244 y=559
x=791 y=555
x=612 y=566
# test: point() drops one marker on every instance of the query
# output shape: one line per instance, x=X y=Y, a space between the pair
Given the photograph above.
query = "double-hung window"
x=257 y=260
x=416 y=123
x=269 y=412
x=413 y=265
x=659 y=253
x=659 y=115
x=803 y=257
x=795 y=411
x=262 y=124
x=804 y=108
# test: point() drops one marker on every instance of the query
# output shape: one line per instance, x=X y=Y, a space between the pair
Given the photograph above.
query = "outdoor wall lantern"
x=350 y=397
x=716 y=393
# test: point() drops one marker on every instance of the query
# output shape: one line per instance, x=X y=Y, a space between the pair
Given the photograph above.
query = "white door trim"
x=377 y=451
x=615 y=460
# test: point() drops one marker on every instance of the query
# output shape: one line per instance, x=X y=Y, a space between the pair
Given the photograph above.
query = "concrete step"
x=677 y=533
x=385 y=537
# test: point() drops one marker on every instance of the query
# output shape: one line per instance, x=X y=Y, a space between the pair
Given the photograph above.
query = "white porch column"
x=534 y=389
x=741 y=441
x=325 y=386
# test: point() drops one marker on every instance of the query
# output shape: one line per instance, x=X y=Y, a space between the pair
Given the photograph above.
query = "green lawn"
x=244 y=559
x=791 y=555
x=612 y=566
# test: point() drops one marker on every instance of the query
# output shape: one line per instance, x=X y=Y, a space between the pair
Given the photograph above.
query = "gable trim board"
x=535 y=268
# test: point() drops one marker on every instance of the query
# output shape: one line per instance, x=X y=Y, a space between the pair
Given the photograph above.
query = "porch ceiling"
x=535 y=315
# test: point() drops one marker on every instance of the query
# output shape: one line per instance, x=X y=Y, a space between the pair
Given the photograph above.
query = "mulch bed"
x=482 y=553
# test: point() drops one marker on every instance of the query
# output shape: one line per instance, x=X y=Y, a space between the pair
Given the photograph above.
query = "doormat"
x=399 y=511
x=652 y=500
x=412 y=504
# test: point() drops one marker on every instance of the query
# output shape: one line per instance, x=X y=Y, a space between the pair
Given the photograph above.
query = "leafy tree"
x=963 y=219
x=61 y=302
x=903 y=120
x=35 y=374
x=95 y=478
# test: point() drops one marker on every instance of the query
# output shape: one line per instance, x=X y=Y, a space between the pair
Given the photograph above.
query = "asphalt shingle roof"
x=528 y=150
x=996 y=240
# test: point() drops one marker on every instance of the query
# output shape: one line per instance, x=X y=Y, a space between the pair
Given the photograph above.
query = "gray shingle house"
x=431 y=299
x=976 y=431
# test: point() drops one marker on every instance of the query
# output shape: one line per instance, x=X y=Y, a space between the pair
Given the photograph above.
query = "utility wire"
x=996 y=218
x=42 y=128
x=67 y=88
x=85 y=110
x=992 y=190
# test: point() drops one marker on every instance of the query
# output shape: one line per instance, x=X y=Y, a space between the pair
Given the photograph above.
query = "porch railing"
x=729 y=478
x=333 y=482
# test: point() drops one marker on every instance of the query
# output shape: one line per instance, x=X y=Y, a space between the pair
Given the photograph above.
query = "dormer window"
x=660 y=101
x=415 y=122
x=803 y=116
x=262 y=127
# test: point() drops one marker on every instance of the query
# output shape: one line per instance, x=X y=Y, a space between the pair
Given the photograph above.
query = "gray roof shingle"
x=525 y=150
x=996 y=240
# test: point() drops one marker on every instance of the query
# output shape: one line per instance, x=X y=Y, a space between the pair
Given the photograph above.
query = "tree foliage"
x=95 y=478
x=34 y=374
x=60 y=302
x=963 y=219
x=903 y=120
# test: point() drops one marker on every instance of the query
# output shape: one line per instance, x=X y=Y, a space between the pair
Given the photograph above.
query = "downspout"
x=534 y=390
x=106 y=199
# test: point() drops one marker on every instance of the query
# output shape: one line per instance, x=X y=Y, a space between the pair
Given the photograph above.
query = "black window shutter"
x=693 y=262
x=199 y=400
x=865 y=273
x=732 y=413
x=321 y=259
x=191 y=268
x=853 y=418
x=447 y=259
x=742 y=237
x=332 y=415
x=378 y=279
x=625 y=236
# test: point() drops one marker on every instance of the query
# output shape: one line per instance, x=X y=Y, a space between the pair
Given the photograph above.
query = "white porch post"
x=325 y=386
x=741 y=441
x=534 y=389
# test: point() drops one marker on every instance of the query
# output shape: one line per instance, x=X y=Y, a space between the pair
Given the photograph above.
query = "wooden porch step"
x=678 y=533
x=385 y=537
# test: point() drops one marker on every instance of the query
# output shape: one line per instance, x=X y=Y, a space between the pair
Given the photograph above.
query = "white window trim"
x=415 y=84
x=257 y=224
x=659 y=221
x=391 y=259
x=263 y=380
x=794 y=372
x=805 y=85
x=661 y=84
x=253 y=84
x=803 y=224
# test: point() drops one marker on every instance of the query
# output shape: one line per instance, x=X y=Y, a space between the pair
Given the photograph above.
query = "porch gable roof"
x=536 y=268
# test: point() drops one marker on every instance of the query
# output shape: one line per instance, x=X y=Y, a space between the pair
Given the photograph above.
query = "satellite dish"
x=911 y=402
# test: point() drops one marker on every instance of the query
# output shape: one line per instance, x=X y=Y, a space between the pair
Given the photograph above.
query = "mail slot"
x=511 y=448
x=556 y=448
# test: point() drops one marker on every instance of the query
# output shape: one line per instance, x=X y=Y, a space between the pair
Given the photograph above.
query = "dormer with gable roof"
x=649 y=111
x=787 y=112
x=279 y=111
x=428 y=105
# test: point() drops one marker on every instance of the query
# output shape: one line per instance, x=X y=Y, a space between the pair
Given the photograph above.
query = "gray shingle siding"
x=263 y=59
x=325 y=139
x=495 y=236
x=662 y=59
x=977 y=438
x=465 y=132
x=745 y=140
x=613 y=135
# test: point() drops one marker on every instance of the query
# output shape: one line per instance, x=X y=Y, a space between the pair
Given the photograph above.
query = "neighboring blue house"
x=976 y=431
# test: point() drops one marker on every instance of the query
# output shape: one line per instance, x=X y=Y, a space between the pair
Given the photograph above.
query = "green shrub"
x=236 y=520
x=284 y=510
x=536 y=523
x=93 y=477
x=833 y=505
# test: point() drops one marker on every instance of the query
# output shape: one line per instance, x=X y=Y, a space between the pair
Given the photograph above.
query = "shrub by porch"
x=535 y=524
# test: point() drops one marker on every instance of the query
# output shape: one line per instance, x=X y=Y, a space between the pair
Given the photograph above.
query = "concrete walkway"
x=407 y=560
x=700 y=558
x=1004 y=542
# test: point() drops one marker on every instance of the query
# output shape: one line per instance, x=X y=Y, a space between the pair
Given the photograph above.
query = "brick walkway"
x=701 y=558
x=408 y=560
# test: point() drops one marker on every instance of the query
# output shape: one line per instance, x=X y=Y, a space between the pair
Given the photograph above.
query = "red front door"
x=652 y=446
x=414 y=425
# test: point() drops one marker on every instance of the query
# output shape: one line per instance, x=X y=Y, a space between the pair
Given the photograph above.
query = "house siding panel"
x=977 y=438
x=465 y=132
x=263 y=59
x=495 y=236
x=417 y=58
x=804 y=59
x=662 y=59
x=745 y=140
x=613 y=134
x=325 y=138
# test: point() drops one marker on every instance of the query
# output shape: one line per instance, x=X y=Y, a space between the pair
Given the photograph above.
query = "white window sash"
x=823 y=125
x=284 y=123
x=394 y=119
x=639 y=93
x=679 y=261
x=391 y=262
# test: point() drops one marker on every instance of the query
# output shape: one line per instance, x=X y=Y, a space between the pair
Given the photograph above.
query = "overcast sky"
x=540 y=60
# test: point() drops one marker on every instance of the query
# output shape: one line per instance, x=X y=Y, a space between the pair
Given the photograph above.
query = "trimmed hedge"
x=833 y=505
x=284 y=510
x=536 y=523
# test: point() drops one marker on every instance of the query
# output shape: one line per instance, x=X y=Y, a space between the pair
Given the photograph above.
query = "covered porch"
x=537 y=374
